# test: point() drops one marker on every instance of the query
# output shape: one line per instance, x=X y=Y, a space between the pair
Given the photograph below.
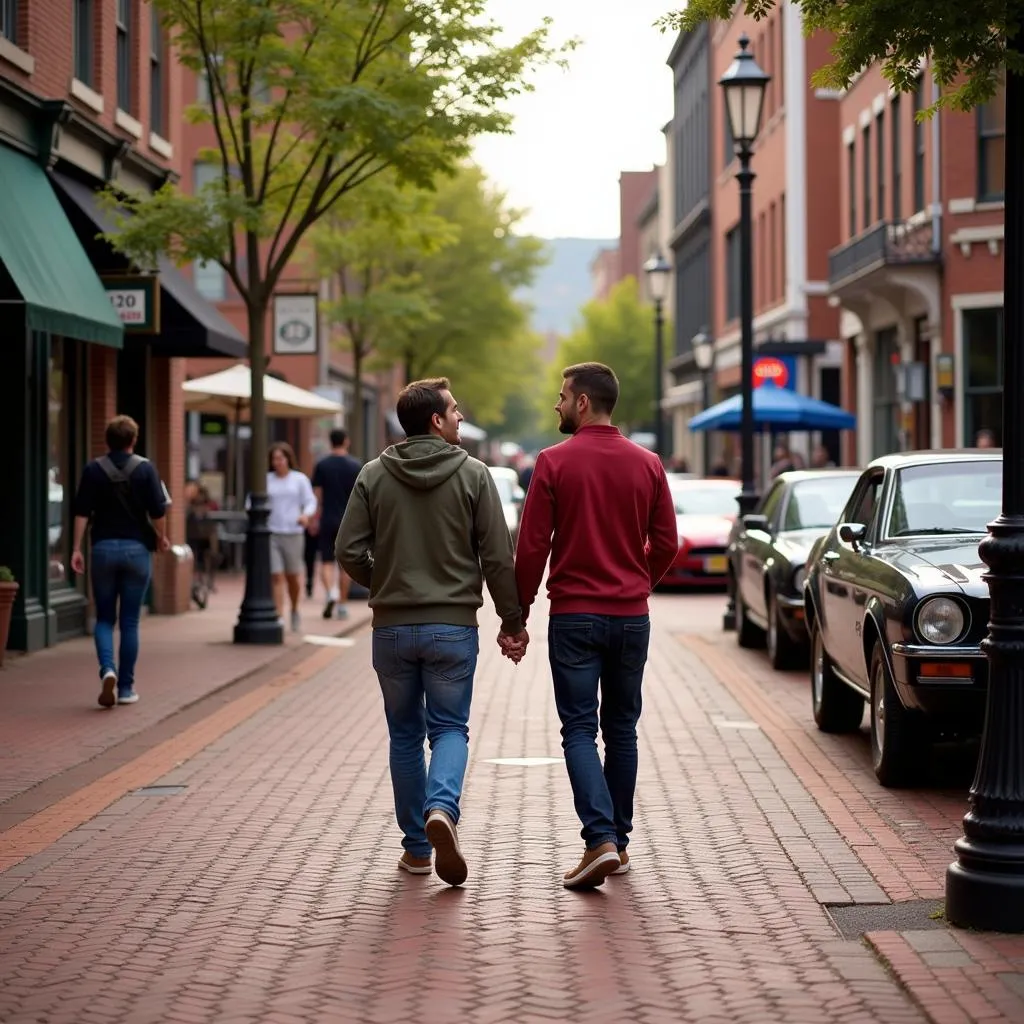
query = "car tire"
x=836 y=707
x=748 y=635
x=897 y=735
x=783 y=653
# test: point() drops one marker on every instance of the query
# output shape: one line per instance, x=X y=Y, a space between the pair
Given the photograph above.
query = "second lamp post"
x=744 y=85
x=657 y=270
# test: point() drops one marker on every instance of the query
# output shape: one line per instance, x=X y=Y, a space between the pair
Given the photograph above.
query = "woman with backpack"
x=122 y=502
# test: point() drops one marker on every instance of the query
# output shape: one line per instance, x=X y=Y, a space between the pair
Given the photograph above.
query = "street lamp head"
x=703 y=351
x=657 y=269
x=744 y=84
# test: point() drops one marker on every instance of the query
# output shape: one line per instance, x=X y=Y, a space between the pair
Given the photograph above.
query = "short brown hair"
x=122 y=433
x=285 y=449
x=598 y=382
x=419 y=401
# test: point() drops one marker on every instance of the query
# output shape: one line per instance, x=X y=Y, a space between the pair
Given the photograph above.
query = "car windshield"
x=818 y=502
x=705 y=501
x=946 y=497
x=504 y=486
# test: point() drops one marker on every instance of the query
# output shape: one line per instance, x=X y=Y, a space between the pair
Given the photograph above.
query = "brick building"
x=919 y=270
x=90 y=95
x=796 y=193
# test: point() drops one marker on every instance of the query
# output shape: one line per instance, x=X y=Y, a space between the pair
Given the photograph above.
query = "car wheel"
x=783 y=653
x=837 y=708
x=747 y=634
x=897 y=746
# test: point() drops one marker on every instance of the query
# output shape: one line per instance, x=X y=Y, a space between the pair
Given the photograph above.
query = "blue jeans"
x=426 y=678
x=121 y=570
x=610 y=651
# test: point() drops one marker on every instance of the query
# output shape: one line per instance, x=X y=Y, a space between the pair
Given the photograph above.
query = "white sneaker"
x=296 y=621
x=129 y=698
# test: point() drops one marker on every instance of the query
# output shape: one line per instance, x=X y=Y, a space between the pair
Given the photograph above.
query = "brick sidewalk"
x=266 y=889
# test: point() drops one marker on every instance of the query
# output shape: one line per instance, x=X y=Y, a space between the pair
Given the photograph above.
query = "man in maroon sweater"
x=600 y=506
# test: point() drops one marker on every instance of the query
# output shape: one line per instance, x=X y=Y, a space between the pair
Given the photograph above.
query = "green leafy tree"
x=370 y=247
x=968 y=43
x=617 y=331
x=308 y=101
x=478 y=333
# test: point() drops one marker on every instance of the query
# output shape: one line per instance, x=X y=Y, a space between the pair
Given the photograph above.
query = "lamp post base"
x=258 y=621
x=985 y=886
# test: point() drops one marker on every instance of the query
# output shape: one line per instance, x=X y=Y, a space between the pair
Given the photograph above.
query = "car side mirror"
x=751 y=521
x=852 y=533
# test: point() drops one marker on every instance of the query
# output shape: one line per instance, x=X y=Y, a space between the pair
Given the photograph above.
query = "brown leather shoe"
x=449 y=863
x=415 y=865
x=597 y=864
x=623 y=863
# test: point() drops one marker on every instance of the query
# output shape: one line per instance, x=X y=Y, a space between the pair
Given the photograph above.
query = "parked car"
x=767 y=555
x=705 y=510
x=897 y=609
x=511 y=494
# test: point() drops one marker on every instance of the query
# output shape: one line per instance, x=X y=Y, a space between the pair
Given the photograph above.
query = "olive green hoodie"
x=423 y=529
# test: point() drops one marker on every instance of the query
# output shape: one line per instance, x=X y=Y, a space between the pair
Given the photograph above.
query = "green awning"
x=41 y=253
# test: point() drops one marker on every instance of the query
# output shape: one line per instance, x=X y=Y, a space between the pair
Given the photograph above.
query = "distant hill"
x=563 y=285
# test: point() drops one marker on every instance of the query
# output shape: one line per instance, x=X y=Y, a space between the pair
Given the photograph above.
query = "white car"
x=511 y=494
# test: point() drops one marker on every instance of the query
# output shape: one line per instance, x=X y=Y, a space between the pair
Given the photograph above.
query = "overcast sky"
x=581 y=127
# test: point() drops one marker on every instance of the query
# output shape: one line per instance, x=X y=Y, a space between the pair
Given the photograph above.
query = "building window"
x=880 y=165
x=9 y=20
x=982 y=331
x=208 y=276
x=157 y=97
x=83 y=30
x=865 y=156
x=782 y=246
x=851 y=183
x=733 y=269
x=992 y=146
x=124 y=56
x=897 y=160
x=885 y=402
x=919 y=104
x=772 y=236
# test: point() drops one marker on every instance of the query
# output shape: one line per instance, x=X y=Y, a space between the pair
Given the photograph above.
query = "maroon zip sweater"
x=600 y=506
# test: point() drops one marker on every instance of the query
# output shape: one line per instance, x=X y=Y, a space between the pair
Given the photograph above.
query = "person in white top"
x=292 y=505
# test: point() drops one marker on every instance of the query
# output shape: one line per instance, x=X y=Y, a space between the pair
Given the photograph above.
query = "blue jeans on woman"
x=426 y=677
x=121 y=571
x=587 y=652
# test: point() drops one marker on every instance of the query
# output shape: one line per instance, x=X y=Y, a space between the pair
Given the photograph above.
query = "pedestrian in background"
x=292 y=506
x=984 y=439
x=423 y=530
x=600 y=506
x=123 y=503
x=333 y=480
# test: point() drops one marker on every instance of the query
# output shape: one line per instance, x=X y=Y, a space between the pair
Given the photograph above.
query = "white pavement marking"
x=329 y=641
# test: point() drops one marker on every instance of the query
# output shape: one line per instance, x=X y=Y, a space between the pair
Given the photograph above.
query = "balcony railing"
x=886 y=244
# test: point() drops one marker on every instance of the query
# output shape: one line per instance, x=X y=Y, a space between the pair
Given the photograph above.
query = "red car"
x=705 y=510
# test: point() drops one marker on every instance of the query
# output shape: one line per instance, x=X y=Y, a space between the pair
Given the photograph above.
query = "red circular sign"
x=768 y=368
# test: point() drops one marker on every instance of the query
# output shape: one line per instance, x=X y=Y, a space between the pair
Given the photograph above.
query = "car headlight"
x=940 y=620
x=798 y=579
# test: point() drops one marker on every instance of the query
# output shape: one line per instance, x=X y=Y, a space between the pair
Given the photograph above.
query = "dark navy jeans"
x=426 y=678
x=589 y=653
x=120 y=576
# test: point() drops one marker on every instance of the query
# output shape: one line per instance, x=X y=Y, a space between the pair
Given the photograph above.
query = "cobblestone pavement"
x=265 y=889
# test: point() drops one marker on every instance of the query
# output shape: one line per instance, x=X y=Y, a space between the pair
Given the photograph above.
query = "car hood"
x=941 y=564
x=796 y=544
x=704 y=529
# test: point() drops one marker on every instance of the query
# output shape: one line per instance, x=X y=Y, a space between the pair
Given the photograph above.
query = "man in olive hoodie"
x=422 y=530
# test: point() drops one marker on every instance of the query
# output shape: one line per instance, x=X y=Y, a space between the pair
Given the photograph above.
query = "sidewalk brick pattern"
x=268 y=892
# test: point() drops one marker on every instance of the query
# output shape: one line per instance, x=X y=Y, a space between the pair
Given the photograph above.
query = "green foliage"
x=617 y=331
x=967 y=41
x=6 y=576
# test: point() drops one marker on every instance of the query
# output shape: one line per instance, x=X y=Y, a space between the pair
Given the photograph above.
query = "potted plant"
x=8 y=592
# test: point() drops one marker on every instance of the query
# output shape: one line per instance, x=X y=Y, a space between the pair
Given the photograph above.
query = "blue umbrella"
x=775 y=408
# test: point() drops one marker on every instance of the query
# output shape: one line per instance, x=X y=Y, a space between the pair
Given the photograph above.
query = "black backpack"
x=120 y=481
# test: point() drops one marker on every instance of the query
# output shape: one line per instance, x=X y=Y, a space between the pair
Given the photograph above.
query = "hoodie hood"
x=423 y=462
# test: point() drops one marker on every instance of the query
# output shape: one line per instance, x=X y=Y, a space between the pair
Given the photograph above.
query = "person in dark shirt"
x=333 y=480
x=126 y=522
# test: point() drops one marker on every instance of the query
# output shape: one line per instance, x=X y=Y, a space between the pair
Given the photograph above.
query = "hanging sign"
x=295 y=325
x=136 y=300
x=772 y=369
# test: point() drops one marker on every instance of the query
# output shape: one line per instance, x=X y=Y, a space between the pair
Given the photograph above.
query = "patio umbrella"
x=775 y=408
x=228 y=393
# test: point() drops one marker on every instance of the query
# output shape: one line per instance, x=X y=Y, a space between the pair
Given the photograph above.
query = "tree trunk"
x=357 y=420
x=409 y=366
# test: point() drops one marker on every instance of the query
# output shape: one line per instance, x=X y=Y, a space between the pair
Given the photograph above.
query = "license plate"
x=718 y=564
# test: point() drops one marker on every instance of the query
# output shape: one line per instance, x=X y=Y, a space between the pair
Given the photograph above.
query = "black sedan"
x=767 y=556
x=897 y=609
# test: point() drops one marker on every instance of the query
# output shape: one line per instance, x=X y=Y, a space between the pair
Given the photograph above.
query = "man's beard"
x=566 y=426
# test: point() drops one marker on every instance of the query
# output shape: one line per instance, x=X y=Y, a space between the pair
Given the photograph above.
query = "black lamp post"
x=744 y=84
x=704 y=356
x=657 y=270
x=985 y=885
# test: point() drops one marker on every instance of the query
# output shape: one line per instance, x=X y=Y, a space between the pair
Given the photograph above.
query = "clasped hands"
x=513 y=645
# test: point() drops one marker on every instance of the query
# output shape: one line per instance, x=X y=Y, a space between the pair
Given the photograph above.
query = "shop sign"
x=136 y=300
x=772 y=369
x=295 y=325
